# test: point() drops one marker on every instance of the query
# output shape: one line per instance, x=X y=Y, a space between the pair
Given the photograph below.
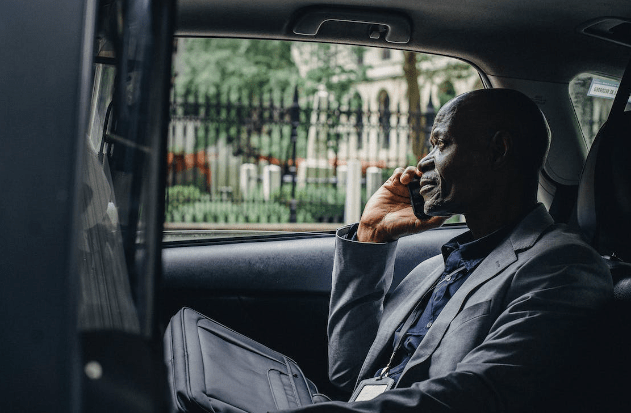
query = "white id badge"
x=370 y=388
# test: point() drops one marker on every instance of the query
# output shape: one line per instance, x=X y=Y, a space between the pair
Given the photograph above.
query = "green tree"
x=337 y=68
x=255 y=66
x=426 y=68
x=417 y=124
x=251 y=70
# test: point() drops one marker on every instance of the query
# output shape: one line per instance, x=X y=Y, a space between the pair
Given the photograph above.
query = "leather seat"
x=604 y=218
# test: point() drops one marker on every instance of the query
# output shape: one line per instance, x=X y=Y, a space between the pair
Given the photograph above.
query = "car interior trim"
x=612 y=29
x=397 y=28
x=213 y=268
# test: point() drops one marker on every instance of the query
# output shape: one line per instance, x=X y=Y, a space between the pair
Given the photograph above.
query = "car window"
x=101 y=249
x=120 y=159
x=592 y=97
x=279 y=136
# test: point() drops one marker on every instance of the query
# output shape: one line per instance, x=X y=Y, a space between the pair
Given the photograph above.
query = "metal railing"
x=275 y=158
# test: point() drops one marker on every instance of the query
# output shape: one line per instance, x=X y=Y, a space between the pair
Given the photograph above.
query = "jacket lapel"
x=524 y=236
x=492 y=265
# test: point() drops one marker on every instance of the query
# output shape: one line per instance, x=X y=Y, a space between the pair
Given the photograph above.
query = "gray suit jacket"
x=505 y=340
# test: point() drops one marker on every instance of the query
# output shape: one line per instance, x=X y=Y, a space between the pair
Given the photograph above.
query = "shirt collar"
x=471 y=251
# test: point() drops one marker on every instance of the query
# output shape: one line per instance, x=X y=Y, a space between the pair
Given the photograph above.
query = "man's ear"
x=501 y=148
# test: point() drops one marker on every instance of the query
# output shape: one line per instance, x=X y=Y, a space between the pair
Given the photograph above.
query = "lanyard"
x=413 y=317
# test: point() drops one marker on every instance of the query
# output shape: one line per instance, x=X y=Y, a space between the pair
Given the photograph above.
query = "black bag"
x=215 y=369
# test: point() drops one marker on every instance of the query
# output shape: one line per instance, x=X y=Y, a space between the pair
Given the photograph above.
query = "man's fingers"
x=404 y=176
x=410 y=173
x=396 y=175
x=432 y=222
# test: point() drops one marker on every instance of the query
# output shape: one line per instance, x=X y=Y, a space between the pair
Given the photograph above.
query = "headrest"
x=604 y=193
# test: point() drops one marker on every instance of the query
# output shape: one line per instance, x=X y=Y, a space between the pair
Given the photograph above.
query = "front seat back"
x=604 y=217
x=604 y=196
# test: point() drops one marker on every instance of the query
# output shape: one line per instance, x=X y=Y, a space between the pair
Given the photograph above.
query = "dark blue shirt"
x=461 y=255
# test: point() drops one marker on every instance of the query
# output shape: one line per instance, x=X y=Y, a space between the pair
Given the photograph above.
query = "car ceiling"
x=534 y=39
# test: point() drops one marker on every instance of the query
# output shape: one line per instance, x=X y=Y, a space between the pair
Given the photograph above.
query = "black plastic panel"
x=285 y=266
x=45 y=88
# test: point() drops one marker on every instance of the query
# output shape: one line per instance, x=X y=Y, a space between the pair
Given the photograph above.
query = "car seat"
x=604 y=218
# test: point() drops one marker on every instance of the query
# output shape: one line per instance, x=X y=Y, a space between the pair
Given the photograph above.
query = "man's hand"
x=388 y=214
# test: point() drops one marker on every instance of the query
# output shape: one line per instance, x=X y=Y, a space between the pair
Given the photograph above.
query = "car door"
x=274 y=289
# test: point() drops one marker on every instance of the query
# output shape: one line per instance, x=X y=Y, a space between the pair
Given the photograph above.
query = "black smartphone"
x=416 y=199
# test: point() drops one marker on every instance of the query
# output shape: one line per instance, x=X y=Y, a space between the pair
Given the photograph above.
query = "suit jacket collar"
x=531 y=228
x=417 y=283
x=523 y=237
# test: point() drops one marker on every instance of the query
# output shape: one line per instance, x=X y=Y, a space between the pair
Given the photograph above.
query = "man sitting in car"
x=495 y=322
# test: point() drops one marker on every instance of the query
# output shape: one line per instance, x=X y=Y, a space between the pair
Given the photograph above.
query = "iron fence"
x=241 y=157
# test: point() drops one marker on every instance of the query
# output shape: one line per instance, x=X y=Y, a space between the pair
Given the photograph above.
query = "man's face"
x=456 y=173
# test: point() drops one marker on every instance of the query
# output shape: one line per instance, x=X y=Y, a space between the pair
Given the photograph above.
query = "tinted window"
x=592 y=97
x=280 y=136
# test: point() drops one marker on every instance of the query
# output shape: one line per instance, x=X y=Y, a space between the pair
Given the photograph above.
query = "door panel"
x=275 y=291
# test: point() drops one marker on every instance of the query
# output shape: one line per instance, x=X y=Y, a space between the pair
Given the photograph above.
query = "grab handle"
x=398 y=26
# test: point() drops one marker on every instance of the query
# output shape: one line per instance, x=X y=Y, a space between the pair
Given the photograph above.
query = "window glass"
x=281 y=136
x=103 y=268
x=592 y=97
x=121 y=156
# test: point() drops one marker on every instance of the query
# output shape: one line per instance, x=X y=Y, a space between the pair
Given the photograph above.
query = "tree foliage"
x=337 y=69
x=263 y=66
x=435 y=69
x=236 y=64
